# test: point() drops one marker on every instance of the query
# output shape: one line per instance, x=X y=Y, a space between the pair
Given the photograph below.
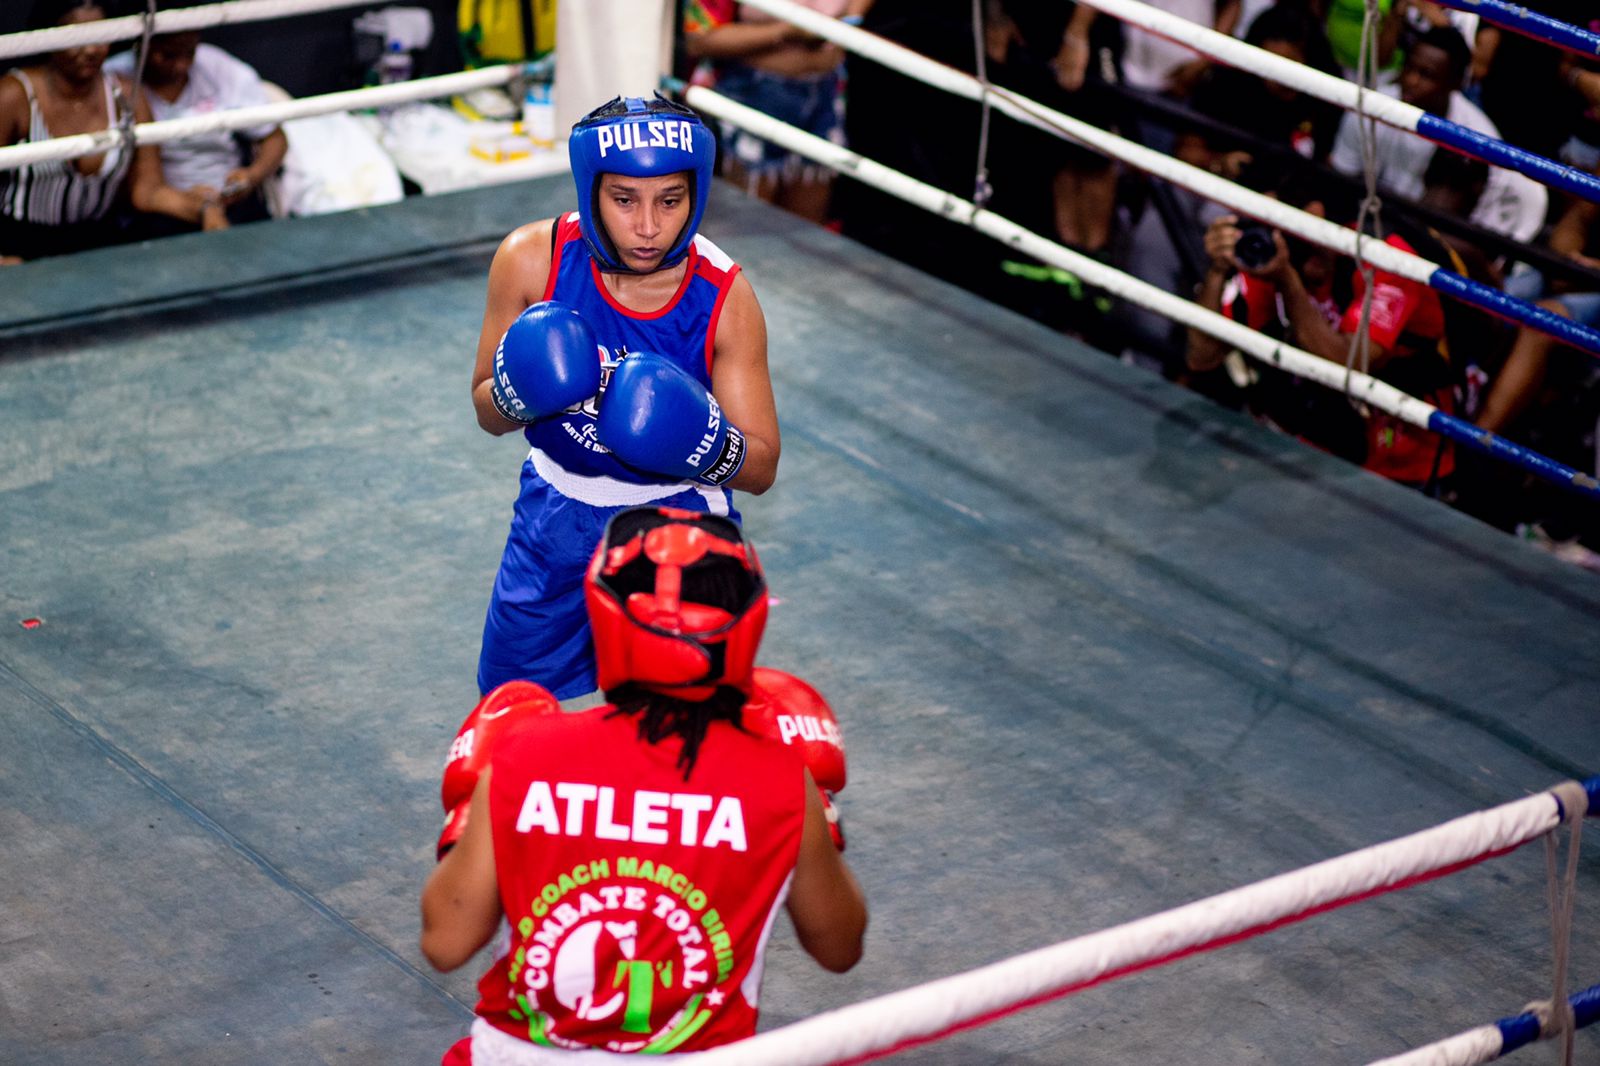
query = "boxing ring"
x=1101 y=650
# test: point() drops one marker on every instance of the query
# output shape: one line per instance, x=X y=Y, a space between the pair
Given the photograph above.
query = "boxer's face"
x=644 y=216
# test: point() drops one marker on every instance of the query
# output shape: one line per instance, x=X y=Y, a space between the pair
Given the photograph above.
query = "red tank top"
x=638 y=904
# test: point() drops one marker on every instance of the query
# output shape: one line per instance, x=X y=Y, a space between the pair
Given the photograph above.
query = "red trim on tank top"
x=560 y=233
x=645 y=316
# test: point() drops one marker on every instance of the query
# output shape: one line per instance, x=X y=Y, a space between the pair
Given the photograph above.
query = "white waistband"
x=491 y=1047
x=602 y=491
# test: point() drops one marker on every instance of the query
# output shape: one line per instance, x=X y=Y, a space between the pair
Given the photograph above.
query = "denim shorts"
x=1584 y=307
x=808 y=103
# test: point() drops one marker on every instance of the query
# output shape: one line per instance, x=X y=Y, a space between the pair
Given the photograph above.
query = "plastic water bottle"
x=393 y=66
x=539 y=114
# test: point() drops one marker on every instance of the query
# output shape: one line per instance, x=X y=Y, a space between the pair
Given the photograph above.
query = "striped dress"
x=58 y=193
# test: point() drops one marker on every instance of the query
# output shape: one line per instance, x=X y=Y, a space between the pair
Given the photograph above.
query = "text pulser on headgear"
x=626 y=136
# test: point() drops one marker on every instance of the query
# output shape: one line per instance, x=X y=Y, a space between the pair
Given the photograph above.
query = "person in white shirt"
x=183 y=77
x=1512 y=204
x=1156 y=64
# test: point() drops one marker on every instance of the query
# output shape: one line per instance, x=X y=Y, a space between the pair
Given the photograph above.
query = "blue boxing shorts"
x=810 y=103
x=537 y=626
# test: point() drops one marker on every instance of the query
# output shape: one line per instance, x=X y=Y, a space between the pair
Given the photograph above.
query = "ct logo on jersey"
x=633 y=948
x=660 y=133
x=583 y=431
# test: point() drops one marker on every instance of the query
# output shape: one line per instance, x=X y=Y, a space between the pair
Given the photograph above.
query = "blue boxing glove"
x=546 y=362
x=655 y=416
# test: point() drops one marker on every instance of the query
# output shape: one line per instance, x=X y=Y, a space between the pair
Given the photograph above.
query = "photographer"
x=1312 y=299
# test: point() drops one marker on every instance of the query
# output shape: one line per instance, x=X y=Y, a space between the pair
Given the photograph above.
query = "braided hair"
x=714 y=581
x=662 y=716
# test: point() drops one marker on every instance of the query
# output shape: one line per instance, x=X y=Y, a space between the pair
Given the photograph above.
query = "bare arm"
x=152 y=195
x=1389 y=35
x=148 y=188
x=1227 y=16
x=516 y=282
x=1206 y=352
x=13 y=125
x=1311 y=330
x=1484 y=48
x=742 y=385
x=1072 y=58
x=1570 y=236
x=825 y=902
x=461 y=901
x=269 y=153
x=741 y=40
x=1586 y=82
x=13 y=111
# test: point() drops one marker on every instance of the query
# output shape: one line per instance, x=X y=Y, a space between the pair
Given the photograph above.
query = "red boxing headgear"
x=677 y=602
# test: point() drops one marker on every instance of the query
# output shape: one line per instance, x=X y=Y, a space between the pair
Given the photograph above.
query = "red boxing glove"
x=469 y=752
x=787 y=709
x=783 y=707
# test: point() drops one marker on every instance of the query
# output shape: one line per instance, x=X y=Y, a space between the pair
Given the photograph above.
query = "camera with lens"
x=1256 y=245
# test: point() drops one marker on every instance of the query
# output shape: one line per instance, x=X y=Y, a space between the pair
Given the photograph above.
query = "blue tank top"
x=683 y=331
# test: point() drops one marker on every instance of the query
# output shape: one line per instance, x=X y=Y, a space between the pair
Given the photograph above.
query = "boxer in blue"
x=632 y=354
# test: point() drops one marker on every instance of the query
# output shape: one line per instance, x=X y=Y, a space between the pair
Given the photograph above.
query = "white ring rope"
x=1236 y=53
x=177 y=129
x=107 y=31
x=918 y=1014
x=1464 y=1049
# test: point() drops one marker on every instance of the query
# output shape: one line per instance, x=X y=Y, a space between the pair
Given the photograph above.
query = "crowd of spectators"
x=1491 y=224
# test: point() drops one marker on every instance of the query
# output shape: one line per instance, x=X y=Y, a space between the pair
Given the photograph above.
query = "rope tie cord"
x=1559 y=1017
x=1360 y=352
x=981 y=189
x=127 y=117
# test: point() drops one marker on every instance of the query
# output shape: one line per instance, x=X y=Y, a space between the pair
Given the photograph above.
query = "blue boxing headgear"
x=641 y=139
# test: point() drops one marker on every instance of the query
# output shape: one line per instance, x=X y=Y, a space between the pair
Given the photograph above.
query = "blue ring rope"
x=1531 y=24
x=1493 y=150
x=1464 y=432
x=1529 y=314
x=1524 y=1028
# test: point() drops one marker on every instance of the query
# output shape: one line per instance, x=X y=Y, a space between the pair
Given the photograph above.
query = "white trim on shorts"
x=602 y=491
x=491 y=1047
